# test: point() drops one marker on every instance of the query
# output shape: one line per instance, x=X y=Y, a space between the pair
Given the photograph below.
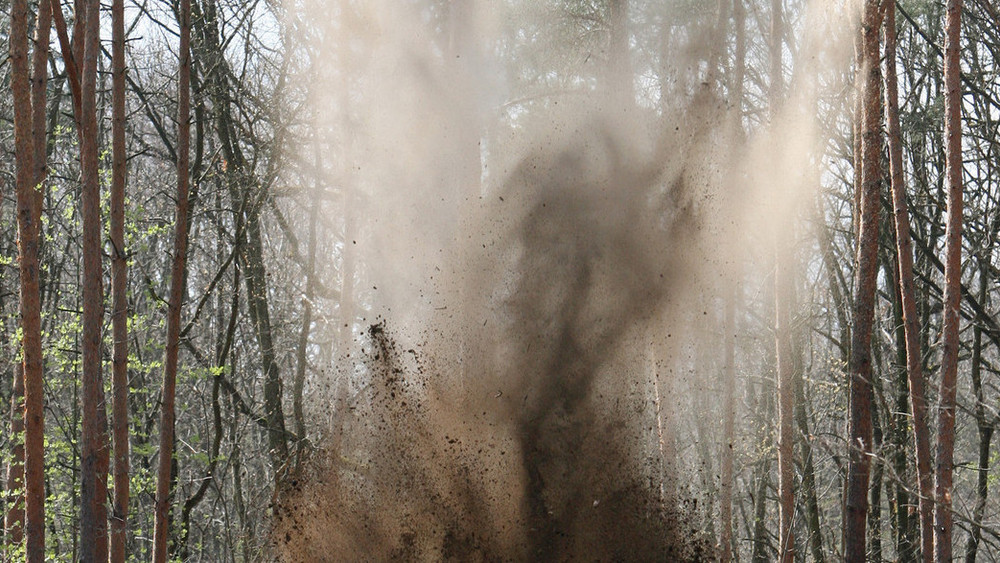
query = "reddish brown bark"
x=14 y=517
x=953 y=278
x=29 y=140
x=860 y=363
x=39 y=83
x=67 y=53
x=119 y=313
x=161 y=529
x=911 y=320
x=94 y=443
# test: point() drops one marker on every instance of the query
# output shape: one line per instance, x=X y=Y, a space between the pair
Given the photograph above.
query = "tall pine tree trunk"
x=119 y=311
x=860 y=364
x=94 y=448
x=26 y=518
x=14 y=501
x=900 y=502
x=953 y=278
x=161 y=529
x=911 y=320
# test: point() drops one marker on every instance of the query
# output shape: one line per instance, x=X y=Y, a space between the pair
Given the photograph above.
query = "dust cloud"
x=502 y=401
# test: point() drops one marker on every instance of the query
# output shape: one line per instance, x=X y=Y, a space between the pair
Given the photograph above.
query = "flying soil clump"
x=516 y=430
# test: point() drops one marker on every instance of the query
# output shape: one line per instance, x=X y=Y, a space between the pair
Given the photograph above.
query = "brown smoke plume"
x=509 y=415
x=512 y=433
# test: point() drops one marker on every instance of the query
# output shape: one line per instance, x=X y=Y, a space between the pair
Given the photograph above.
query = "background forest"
x=212 y=212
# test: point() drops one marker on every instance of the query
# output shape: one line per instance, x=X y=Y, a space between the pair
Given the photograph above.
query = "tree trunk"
x=729 y=383
x=875 y=489
x=251 y=253
x=911 y=320
x=729 y=414
x=986 y=425
x=761 y=542
x=953 y=278
x=119 y=312
x=786 y=409
x=14 y=514
x=25 y=518
x=345 y=330
x=161 y=529
x=782 y=326
x=94 y=447
x=257 y=302
x=808 y=468
x=762 y=548
x=307 y=299
x=860 y=366
x=665 y=437
x=900 y=502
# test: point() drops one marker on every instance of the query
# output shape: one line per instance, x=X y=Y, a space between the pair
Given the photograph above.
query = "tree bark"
x=900 y=502
x=119 y=312
x=257 y=302
x=763 y=550
x=251 y=252
x=808 y=469
x=911 y=320
x=877 y=473
x=729 y=384
x=307 y=299
x=860 y=365
x=761 y=541
x=14 y=515
x=786 y=408
x=161 y=529
x=25 y=519
x=782 y=326
x=94 y=447
x=953 y=280
x=729 y=414
x=986 y=425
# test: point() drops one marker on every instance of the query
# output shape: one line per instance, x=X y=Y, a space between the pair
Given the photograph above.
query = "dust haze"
x=536 y=277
